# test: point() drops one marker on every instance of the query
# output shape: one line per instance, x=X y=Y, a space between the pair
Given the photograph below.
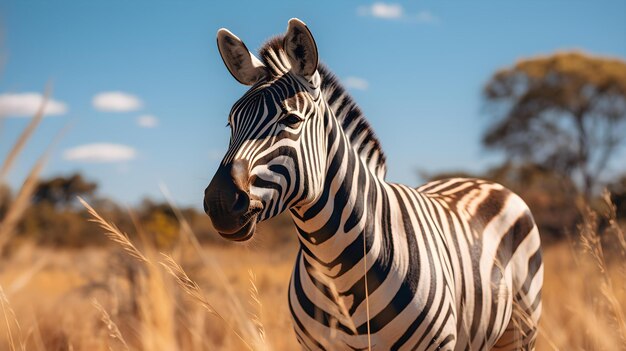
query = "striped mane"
x=345 y=109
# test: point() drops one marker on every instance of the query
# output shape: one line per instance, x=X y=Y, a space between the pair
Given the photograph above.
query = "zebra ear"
x=300 y=48
x=241 y=63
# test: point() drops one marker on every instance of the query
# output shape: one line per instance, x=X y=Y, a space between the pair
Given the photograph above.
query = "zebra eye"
x=291 y=120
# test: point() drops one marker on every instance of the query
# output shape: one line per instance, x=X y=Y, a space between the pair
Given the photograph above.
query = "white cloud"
x=391 y=11
x=356 y=83
x=27 y=105
x=100 y=152
x=116 y=101
x=382 y=10
x=147 y=121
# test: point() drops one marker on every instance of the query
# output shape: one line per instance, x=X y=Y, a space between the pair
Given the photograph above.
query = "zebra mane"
x=345 y=109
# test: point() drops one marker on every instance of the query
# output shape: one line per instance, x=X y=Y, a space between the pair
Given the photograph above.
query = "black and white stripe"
x=453 y=265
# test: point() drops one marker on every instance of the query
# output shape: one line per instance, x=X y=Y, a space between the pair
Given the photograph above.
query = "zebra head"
x=277 y=152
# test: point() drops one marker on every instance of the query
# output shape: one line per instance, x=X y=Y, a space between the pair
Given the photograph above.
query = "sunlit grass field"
x=105 y=299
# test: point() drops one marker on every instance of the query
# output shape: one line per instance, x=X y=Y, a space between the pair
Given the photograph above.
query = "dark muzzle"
x=228 y=202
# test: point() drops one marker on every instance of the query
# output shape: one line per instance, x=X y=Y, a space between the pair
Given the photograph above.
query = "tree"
x=62 y=191
x=565 y=112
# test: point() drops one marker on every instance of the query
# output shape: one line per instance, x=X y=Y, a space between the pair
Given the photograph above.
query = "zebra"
x=455 y=264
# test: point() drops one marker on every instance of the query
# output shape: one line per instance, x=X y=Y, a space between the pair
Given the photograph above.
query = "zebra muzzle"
x=232 y=209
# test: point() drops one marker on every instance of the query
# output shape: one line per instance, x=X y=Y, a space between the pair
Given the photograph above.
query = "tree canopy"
x=62 y=191
x=565 y=111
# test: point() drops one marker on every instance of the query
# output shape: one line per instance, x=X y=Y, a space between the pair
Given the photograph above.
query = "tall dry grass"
x=584 y=291
x=22 y=200
x=131 y=297
x=166 y=278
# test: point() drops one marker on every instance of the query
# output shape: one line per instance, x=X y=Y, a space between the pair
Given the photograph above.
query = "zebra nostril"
x=242 y=202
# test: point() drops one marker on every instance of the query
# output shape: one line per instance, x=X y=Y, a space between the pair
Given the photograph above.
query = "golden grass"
x=21 y=203
x=56 y=305
x=114 y=234
x=143 y=307
x=12 y=325
x=584 y=291
x=146 y=308
x=114 y=331
x=26 y=134
x=22 y=200
x=59 y=301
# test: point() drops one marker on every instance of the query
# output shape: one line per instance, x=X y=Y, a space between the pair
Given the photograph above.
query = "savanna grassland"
x=234 y=297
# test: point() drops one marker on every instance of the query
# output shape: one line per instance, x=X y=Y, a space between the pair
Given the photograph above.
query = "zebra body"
x=453 y=265
x=441 y=274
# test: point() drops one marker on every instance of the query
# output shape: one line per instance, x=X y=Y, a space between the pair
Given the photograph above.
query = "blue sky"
x=416 y=68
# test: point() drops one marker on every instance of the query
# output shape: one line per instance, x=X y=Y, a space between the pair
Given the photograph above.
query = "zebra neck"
x=345 y=222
